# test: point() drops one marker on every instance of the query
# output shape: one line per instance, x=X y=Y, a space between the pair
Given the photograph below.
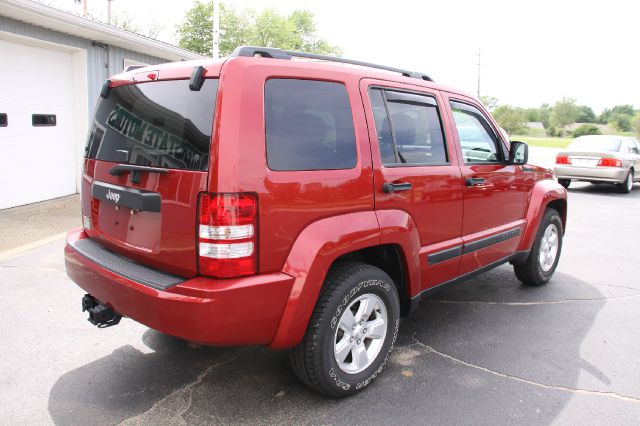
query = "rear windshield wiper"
x=135 y=171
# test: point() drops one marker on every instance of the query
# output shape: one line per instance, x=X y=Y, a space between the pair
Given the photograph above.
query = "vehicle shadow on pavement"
x=489 y=350
x=604 y=189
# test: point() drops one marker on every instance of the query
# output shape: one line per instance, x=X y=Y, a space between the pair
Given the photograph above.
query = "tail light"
x=563 y=159
x=227 y=238
x=609 y=162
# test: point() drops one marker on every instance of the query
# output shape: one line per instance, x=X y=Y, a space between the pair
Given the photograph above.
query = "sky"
x=532 y=52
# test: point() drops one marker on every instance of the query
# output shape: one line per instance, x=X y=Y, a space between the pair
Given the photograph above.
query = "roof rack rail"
x=271 y=52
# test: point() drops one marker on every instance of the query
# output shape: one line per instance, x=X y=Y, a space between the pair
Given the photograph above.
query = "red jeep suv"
x=299 y=201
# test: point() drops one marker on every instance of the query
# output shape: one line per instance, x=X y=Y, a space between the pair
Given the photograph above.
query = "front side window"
x=478 y=142
x=409 y=128
x=308 y=125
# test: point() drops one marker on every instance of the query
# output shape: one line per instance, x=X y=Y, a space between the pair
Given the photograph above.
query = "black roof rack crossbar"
x=270 y=52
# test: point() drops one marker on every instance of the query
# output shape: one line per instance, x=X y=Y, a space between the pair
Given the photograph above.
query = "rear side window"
x=309 y=125
x=409 y=128
x=160 y=124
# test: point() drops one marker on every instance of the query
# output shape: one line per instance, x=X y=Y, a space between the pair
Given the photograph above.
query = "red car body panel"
x=215 y=312
x=545 y=191
x=306 y=219
x=163 y=240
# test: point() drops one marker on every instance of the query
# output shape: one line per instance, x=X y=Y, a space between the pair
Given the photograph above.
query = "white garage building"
x=52 y=66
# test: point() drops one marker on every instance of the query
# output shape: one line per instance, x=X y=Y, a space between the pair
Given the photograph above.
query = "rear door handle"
x=390 y=188
x=474 y=181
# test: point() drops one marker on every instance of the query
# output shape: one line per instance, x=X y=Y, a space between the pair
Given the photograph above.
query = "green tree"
x=236 y=28
x=296 y=31
x=489 y=102
x=586 y=129
x=195 y=32
x=608 y=114
x=585 y=115
x=564 y=112
x=620 y=122
x=509 y=118
x=540 y=114
x=636 y=123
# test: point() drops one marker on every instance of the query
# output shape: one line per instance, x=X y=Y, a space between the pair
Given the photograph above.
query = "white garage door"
x=37 y=144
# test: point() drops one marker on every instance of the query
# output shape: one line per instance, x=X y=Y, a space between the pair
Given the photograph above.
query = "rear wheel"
x=564 y=182
x=542 y=261
x=351 y=332
x=627 y=186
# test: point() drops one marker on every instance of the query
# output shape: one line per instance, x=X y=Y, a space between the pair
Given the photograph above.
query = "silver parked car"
x=600 y=158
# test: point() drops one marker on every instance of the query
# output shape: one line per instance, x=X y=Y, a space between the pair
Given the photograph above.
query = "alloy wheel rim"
x=360 y=334
x=629 y=181
x=549 y=247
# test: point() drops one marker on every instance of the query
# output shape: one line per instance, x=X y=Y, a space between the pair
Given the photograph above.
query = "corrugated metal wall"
x=96 y=56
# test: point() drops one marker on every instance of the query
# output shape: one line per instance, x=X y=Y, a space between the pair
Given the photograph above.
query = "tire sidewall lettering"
x=374 y=286
x=346 y=299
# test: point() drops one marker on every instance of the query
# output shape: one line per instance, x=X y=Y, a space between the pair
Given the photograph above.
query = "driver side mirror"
x=518 y=153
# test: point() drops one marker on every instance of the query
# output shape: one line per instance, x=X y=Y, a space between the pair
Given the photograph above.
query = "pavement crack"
x=618 y=286
x=547 y=302
x=172 y=408
x=612 y=395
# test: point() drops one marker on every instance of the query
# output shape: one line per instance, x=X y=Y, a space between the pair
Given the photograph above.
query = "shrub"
x=586 y=129
x=554 y=132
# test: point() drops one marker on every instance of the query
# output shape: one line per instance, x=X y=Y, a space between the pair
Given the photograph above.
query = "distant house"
x=535 y=125
x=52 y=66
x=604 y=129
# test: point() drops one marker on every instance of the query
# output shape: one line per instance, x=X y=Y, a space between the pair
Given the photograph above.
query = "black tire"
x=313 y=360
x=530 y=272
x=564 y=182
x=627 y=186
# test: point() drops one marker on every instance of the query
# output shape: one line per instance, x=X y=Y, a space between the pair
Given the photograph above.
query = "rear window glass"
x=309 y=125
x=587 y=143
x=160 y=124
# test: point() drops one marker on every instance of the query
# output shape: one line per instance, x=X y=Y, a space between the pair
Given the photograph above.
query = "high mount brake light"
x=227 y=240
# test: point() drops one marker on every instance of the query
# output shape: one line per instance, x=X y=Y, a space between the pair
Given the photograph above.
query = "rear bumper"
x=243 y=311
x=600 y=174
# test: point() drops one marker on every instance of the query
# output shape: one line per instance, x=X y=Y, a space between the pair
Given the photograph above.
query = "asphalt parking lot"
x=489 y=351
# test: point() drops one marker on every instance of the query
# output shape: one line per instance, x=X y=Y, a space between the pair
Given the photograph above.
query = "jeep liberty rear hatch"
x=146 y=161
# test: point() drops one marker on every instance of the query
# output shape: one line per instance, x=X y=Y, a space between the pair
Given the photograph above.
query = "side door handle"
x=390 y=188
x=474 y=181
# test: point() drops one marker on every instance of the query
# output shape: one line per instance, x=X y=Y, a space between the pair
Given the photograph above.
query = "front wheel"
x=351 y=332
x=543 y=259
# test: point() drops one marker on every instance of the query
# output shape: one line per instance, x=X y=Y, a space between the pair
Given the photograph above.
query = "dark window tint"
x=478 y=142
x=309 y=125
x=43 y=120
x=161 y=124
x=3 y=120
x=409 y=128
x=383 y=128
